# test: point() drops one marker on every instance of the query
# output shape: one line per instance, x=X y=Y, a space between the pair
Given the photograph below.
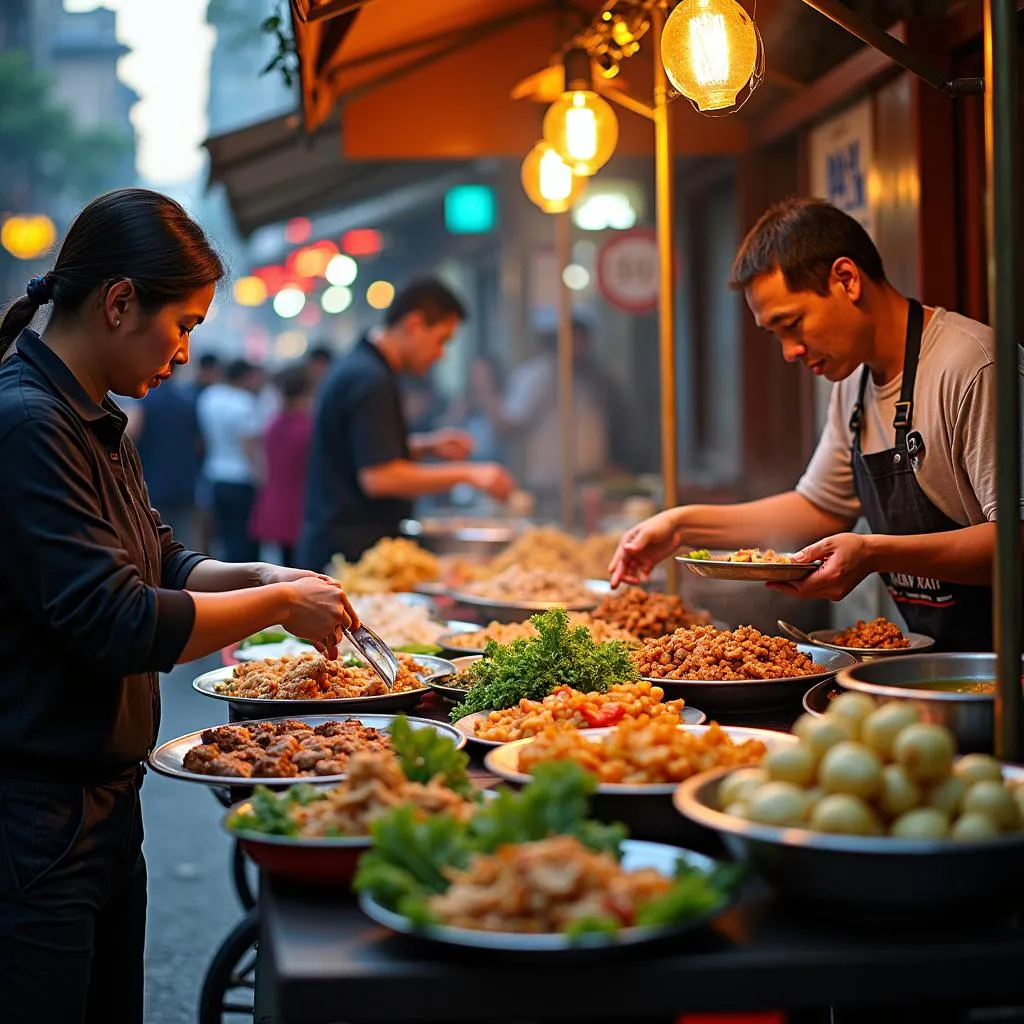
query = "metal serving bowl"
x=867 y=876
x=969 y=716
x=750 y=696
x=464 y=535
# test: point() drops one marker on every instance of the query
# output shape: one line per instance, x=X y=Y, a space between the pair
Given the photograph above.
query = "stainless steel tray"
x=717 y=568
x=168 y=757
x=748 y=696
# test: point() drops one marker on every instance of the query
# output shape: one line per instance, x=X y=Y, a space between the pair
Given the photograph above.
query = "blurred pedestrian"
x=277 y=517
x=364 y=468
x=320 y=359
x=209 y=370
x=231 y=427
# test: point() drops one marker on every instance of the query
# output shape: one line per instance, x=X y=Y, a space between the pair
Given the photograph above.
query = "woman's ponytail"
x=22 y=311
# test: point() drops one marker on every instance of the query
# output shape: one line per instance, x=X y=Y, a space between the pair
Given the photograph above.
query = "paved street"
x=192 y=904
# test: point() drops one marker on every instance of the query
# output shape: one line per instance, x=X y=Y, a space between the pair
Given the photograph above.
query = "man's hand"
x=268 y=574
x=845 y=561
x=449 y=444
x=493 y=480
x=643 y=546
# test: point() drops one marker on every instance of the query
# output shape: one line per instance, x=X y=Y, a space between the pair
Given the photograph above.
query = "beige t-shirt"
x=954 y=411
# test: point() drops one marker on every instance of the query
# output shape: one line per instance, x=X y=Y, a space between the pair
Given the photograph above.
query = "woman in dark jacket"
x=96 y=598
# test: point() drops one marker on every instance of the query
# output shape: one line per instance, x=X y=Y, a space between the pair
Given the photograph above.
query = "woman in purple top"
x=277 y=517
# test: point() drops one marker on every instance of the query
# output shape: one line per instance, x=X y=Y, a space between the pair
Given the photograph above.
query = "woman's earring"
x=117 y=323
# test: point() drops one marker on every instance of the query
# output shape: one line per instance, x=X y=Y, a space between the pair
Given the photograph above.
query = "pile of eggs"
x=872 y=770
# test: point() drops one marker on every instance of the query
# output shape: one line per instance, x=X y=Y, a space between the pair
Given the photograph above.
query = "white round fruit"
x=852 y=768
x=852 y=708
x=978 y=768
x=994 y=801
x=843 y=814
x=778 y=803
x=738 y=786
x=898 y=792
x=926 y=751
x=793 y=762
x=880 y=729
x=921 y=823
x=974 y=828
x=821 y=734
x=948 y=796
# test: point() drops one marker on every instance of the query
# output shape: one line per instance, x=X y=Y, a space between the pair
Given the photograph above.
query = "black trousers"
x=72 y=903
x=232 y=509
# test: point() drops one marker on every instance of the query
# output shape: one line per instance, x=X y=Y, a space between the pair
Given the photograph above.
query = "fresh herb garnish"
x=427 y=753
x=702 y=555
x=560 y=655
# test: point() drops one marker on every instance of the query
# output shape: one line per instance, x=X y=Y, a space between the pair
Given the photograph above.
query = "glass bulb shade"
x=582 y=129
x=709 y=49
x=548 y=180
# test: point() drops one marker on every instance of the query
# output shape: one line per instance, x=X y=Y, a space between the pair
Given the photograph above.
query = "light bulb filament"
x=555 y=177
x=580 y=129
x=709 y=48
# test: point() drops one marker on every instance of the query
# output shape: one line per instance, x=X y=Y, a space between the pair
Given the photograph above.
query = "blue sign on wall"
x=470 y=209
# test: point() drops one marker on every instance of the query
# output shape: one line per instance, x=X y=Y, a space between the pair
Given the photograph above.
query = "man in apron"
x=909 y=443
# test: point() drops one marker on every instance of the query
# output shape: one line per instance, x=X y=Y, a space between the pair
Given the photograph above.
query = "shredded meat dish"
x=516 y=584
x=879 y=633
x=705 y=652
x=310 y=676
x=542 y=887
x=643 y=751
x=282 y=750
x=646 y=615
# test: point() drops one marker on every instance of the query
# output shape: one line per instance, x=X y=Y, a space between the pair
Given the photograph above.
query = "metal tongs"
x=377 y=653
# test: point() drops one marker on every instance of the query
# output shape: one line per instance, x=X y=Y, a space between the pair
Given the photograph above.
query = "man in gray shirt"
x=908 y=444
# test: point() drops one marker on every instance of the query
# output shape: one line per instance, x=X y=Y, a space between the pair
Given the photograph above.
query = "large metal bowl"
x=969 y=716
x=751 y=696
x=867 y=876
x=464 y=535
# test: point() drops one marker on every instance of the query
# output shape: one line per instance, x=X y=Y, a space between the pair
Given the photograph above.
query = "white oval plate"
x=717 y=567
x=918 y=642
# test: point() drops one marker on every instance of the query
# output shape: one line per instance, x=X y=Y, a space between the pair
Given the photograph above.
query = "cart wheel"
x=245 y=887
x=229 y=988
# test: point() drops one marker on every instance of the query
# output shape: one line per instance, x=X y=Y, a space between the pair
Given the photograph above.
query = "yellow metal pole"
x=563 y=257
x=664 y=173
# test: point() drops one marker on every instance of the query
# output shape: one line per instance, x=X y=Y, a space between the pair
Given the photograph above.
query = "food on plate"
x=643 y=750
x=878 y=770
x=528 y=862
x=560 y=655
x=529 y=585
x=647 y=615
x=398 y=623
x=424 y=771
x=500 y=633
x=880 y=634
x=312 y=677
x=704 y=652
x=769 y=555
x=566 y=708
x=282 y=750
x=393 y=564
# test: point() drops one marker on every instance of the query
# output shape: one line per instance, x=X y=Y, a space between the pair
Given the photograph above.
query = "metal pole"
x=664 y=173
x=563 y=257
x=1002 y=213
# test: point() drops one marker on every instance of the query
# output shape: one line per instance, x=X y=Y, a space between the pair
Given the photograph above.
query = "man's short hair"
x=803 y=238
x=209 y=361
x=321 y=352
x=428 y=296
x=238 y=370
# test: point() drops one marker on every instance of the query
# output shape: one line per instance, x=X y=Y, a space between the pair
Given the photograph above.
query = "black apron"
x=957 y=616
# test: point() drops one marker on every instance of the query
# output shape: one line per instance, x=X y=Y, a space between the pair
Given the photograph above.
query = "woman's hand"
x=643 y=546
x=318 y=609
x=268 y=574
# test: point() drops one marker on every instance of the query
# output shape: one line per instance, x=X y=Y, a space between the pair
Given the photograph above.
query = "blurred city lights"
x=313 y=260
x=28 y=237
x=380 y=294
x=250 y=291
x=362 y=242
x=336 y=299
x=341 y=270
x=291 y=344
x=576 y=277
x=288 y=302
x=297 y=230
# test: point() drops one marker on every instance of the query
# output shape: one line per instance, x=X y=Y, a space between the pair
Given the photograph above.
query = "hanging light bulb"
x=548 y=180
x=581 y=127
x=709 y=49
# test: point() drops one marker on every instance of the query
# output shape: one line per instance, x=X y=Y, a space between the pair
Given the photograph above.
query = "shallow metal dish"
x=748 y=696
x=168 y=757
x=454 y=694
x=867 y=876
x=467 y=725
x=918 y=643
x=818 y=698
x=717 y=568
x=635 y=855
x=969 y=716
x=439 y=668
x=463 y=535
x=646 y=811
